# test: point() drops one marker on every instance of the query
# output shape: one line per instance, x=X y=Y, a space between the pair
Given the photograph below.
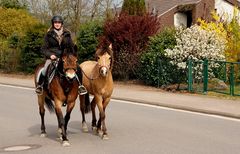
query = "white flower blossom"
x=196 y=44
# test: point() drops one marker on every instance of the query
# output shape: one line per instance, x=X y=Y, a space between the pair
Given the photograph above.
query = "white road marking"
x=17 y=87
x=145 y=105
x=17 y=148
x=179 y=110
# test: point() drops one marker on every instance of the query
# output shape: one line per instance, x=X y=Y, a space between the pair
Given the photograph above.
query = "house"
x=225 y=7
x=186 y=12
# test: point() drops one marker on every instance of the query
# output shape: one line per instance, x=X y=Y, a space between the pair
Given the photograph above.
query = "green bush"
x=15 y=21
x=31 y=45
x=155 y=68
x=9 y=53
x=4 y=55
x=87 y=39
x=14 y=4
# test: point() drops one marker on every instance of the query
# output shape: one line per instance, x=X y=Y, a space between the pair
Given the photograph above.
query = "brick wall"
x=203 y=10
x=198 y=10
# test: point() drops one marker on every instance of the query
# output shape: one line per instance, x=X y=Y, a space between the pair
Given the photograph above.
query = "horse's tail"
x=49 y=105
x=87 y=103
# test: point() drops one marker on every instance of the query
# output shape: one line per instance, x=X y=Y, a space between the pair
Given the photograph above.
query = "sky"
x=117 y=2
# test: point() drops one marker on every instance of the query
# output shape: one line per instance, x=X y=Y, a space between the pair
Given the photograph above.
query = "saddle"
x=51 y=71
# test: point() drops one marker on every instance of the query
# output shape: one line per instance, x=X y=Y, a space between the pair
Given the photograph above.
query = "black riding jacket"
x=51 y=45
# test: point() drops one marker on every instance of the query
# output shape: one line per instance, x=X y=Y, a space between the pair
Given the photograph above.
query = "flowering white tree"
x=197 y=44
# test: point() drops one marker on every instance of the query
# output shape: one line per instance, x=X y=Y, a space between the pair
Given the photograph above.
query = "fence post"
x=205 y=76
x=190 y=78
x=232 y=79
x=225 y=72
x=159 y=72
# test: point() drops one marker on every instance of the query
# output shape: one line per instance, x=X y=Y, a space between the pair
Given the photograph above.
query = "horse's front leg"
x=61 y=122
x=70 y=106
x=104 y=128
x=101 y=121
x=42 y=113
x=82 y=109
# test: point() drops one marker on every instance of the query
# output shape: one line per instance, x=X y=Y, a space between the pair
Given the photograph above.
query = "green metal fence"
x=223 y=78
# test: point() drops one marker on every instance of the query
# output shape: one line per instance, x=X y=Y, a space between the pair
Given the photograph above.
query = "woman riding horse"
x=57 y=39
x=63 y=88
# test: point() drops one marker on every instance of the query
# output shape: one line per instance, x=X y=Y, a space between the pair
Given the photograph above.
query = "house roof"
x=163 y=6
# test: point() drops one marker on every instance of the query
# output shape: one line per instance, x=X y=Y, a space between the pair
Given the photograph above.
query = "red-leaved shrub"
x=129 y=36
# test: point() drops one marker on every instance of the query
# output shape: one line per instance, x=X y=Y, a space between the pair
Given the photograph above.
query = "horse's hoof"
x=43 y=135
x=84 y=127
x=105 y=137
x=65 y=144
x=59 y=132
x=94 y=129
x=99 y=133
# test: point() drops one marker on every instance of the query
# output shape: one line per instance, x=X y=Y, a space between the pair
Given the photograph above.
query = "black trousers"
x=79 y=75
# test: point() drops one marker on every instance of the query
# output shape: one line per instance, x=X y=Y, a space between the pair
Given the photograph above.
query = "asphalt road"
x=133 y=129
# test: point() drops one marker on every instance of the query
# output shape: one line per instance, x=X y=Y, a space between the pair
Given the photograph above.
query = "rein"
x=89 y=77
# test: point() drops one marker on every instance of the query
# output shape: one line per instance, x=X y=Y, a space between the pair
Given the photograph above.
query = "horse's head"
x=69 y=60
x=104 y=58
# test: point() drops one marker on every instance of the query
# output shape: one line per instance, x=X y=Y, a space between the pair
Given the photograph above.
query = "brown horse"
x=63 y=88
x=97 y=78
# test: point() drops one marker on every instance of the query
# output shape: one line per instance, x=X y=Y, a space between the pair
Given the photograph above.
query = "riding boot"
x=39 y=87
x=81 y=89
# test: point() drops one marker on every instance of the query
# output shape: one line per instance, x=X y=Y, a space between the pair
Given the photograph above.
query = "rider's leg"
x=41 y=77
x=40 y=81
x=81 y=89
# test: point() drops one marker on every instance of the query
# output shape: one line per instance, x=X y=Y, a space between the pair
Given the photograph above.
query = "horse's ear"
x=64 y=52
x=75 y=48
x=110 y=46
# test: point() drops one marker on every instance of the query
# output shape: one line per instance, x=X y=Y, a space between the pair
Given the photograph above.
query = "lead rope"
x=90 y=78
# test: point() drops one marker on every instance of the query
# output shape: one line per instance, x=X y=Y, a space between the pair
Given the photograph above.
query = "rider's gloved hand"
x=53 y=57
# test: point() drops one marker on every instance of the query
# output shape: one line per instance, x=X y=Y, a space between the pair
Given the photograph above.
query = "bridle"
x=99 y=69
x=64 y=70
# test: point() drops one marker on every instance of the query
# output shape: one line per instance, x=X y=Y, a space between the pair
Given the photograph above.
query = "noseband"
x=66 y=69
x=69 y=67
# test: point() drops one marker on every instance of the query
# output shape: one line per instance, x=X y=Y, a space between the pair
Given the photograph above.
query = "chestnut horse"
x=97 y=78
x=63 y=88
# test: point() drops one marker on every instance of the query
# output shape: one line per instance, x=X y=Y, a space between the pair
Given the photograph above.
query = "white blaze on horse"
x=97 y=78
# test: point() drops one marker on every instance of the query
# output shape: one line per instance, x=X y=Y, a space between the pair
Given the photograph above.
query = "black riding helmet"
x=57 y=18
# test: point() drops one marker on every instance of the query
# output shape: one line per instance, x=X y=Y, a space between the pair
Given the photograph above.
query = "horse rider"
x=56 y=40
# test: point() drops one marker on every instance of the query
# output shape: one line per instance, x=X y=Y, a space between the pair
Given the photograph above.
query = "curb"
x=183 y=108
x=178 y=107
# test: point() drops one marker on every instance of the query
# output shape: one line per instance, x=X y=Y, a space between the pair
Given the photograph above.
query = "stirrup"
x=82 y=90
x=39 y=90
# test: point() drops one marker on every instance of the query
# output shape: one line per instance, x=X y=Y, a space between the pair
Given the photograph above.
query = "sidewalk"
x=154 y=96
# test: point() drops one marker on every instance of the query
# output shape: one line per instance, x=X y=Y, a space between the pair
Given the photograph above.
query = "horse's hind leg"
x=42 y=113
x=94 y=119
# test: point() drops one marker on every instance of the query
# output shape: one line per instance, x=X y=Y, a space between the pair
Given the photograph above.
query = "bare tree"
x=74 y=12
x=40 y=10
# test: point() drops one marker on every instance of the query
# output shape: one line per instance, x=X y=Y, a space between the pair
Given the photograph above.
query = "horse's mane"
x=102 y=49
x=71 y=50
